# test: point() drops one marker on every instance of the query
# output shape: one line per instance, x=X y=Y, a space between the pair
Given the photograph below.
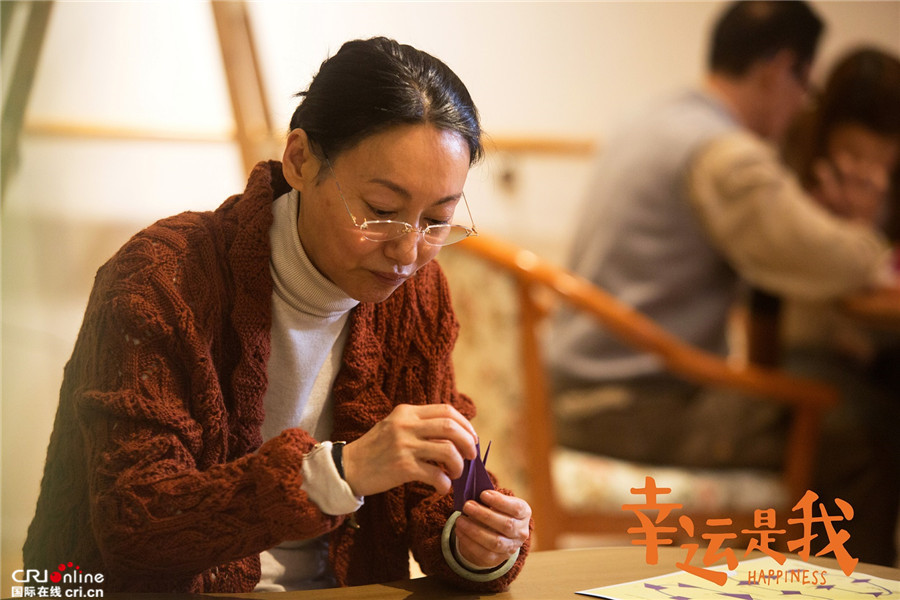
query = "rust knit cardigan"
x=156 y=474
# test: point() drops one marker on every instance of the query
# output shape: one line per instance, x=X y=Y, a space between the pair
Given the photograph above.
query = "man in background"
x=684 y=205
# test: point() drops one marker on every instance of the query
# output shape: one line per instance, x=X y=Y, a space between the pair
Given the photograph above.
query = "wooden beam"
x=253 y=126
x=541 y=145
x=553 y=146
x=24 y=67
x=87 y=130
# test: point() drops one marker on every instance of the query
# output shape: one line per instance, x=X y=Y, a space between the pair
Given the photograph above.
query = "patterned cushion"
x=585 y=481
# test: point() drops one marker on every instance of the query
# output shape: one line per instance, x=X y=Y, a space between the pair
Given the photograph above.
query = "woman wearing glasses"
x=262 y=397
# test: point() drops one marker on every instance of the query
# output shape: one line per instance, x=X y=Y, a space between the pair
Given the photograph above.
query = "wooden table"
x=551 y=575
x=877 y=310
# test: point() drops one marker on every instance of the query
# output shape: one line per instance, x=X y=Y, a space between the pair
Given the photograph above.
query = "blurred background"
x=130 y=118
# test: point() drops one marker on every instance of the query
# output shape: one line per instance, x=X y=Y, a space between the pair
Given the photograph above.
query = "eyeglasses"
x=441 y=234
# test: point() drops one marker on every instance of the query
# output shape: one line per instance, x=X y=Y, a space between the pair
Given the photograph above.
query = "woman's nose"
x=404 y=250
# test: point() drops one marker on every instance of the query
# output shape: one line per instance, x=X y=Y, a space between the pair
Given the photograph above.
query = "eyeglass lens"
x=436 y=235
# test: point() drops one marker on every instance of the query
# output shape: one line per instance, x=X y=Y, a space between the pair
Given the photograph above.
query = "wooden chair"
x=763 y=328
x=533 y=280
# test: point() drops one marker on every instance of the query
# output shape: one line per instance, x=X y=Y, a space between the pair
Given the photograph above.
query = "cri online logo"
x=64 y=573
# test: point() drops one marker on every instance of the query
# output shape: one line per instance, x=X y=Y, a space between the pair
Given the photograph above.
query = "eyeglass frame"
x=407 y=227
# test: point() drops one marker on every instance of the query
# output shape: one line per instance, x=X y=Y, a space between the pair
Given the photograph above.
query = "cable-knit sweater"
x=156 y=473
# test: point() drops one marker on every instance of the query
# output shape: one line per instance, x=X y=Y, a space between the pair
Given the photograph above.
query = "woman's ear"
x=299 y=164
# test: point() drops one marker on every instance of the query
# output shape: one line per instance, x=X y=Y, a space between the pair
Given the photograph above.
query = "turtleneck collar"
x=297 y=281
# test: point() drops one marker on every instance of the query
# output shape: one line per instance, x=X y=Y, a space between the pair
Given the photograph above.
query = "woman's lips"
x=393 y=279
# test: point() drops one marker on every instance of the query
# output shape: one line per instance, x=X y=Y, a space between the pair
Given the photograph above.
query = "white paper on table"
x=745 y=583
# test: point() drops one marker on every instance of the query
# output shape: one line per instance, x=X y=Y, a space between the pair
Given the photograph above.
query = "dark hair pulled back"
x=372 y=85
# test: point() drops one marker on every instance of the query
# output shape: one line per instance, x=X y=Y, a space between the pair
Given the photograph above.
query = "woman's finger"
x=441 y=453
x=434 y=476
x=481 y=545
x=507 y=518
x=443 y=411
x=444 y=429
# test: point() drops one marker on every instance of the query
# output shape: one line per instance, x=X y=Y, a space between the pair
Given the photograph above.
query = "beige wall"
x=555 y=69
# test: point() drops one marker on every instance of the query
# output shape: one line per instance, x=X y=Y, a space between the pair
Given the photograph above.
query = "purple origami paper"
x=474 y=479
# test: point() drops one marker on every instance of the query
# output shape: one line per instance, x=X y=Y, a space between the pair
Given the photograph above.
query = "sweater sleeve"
x=173 y=492
x=772 y=233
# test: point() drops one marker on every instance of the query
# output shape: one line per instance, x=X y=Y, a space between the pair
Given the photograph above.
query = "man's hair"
x=751 y=31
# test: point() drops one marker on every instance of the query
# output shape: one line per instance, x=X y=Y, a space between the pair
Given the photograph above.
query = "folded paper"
x=473 y=481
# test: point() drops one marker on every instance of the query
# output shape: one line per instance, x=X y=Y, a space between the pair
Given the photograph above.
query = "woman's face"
x=858 y=150
x=410 y=173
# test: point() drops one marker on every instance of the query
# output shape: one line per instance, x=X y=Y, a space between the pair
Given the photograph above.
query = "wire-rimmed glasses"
x=441 y=234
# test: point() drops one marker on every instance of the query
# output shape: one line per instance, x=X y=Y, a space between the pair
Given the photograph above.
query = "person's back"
x=639 y=239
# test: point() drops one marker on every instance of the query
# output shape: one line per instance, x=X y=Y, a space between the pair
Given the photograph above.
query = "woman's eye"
x=433 y=221
x=381 y=213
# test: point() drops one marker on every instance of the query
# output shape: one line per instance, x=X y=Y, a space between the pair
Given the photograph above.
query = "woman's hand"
x=488 y=534
x=414 y=443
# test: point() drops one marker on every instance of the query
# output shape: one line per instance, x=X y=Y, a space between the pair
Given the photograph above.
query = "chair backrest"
x=532 y=275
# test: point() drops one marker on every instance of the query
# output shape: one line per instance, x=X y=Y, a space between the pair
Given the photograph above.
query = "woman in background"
x=846 y=151
x=262 y=397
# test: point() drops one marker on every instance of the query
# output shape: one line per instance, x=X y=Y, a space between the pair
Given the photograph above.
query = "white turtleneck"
x=309 y=318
